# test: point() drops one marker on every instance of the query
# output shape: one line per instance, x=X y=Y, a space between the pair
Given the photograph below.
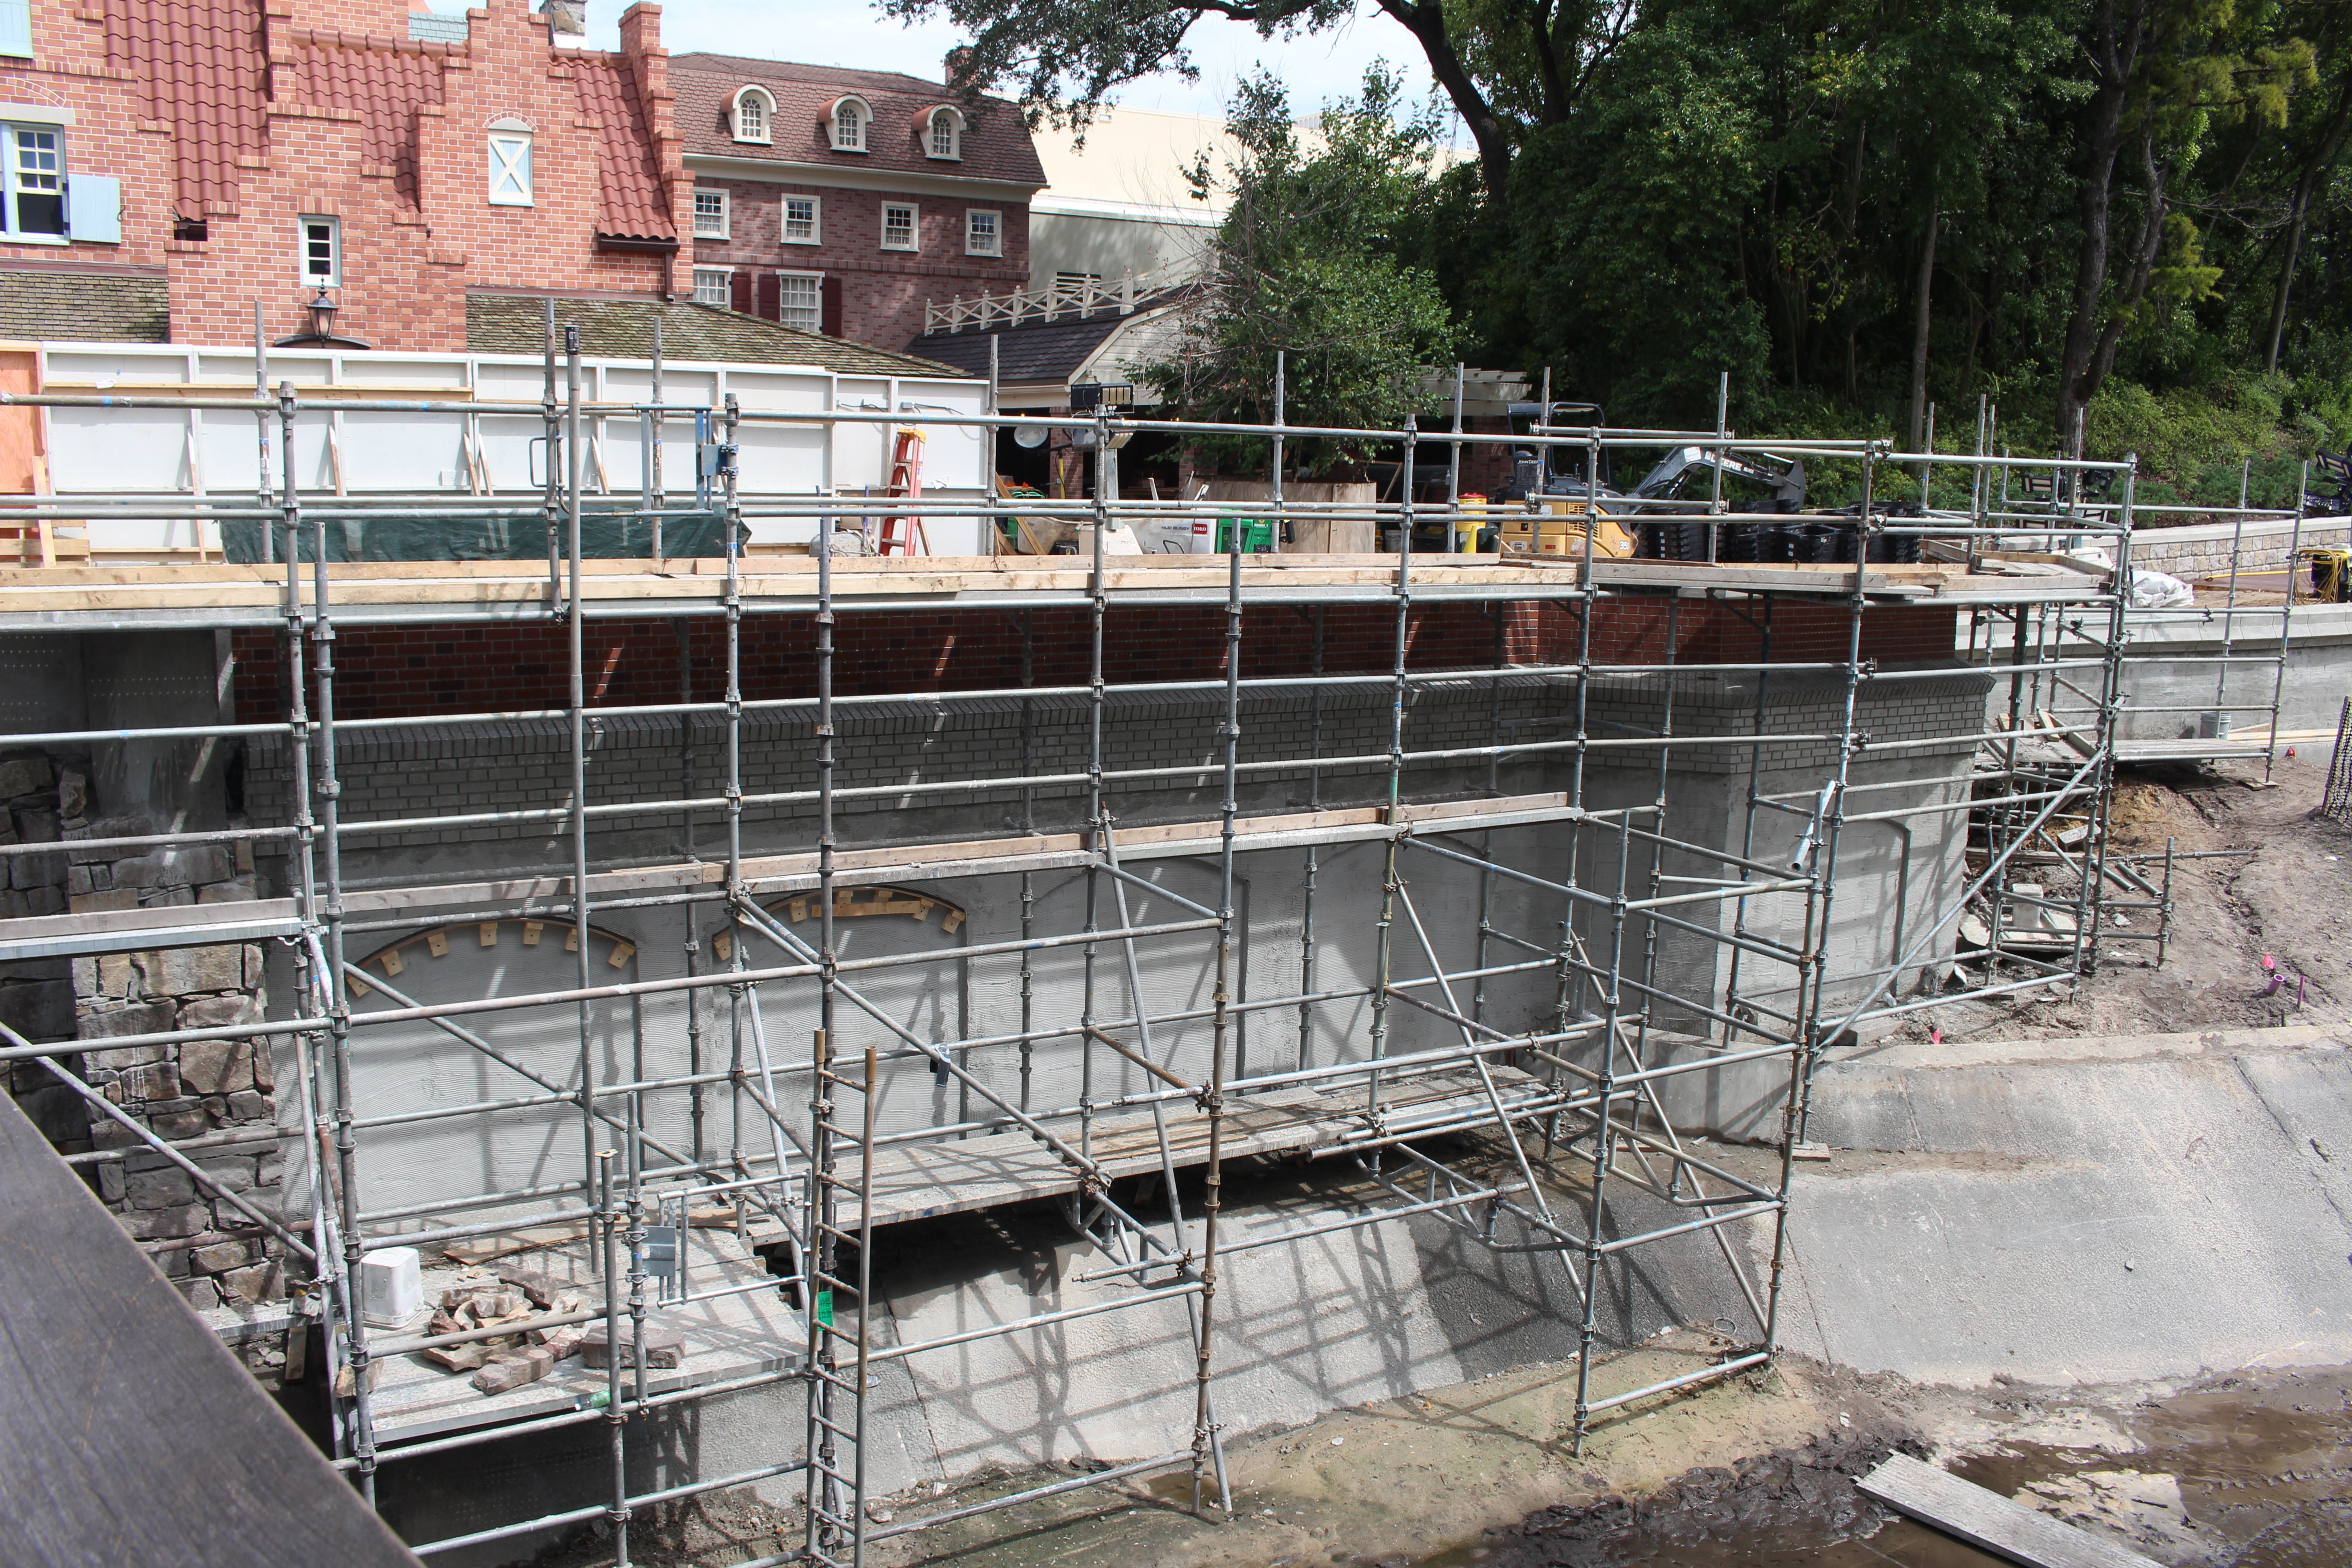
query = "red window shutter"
x=771 y=297
x=738 y=291
x=829 y=296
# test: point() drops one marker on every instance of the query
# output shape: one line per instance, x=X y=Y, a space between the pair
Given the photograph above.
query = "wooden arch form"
x=853 y=903
x=393 y=958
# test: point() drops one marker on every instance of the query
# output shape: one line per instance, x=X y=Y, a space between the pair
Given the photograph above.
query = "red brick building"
x=843 y=200
x=167 y=164
x=250 y=151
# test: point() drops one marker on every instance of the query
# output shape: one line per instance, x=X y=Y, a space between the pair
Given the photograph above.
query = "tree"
x=2163 y=72
x=1062 y=57
x=1303 y=266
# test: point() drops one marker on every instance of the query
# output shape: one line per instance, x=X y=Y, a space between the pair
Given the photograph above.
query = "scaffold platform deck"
x=751 y=1330
x=917 y=1181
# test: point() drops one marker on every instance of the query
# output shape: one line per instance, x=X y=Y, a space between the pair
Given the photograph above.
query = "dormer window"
x=510 y=171
x=943 y=134
x=848 y=121
x=755 y=111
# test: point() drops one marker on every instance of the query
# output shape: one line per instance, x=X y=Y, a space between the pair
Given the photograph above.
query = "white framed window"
x=709 y=213
x=902 y=225
x=846 y=122
x=983 y=233
x=800 y=300
x=943 y=137
x=710 y=286
x=36 y=178
x=802 y=221
x=322 y=250
x=509 y=164
x=754 y=115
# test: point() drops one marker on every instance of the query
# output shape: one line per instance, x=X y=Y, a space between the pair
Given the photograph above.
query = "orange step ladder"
x=904 y=533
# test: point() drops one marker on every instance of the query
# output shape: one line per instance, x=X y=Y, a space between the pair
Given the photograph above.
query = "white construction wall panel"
x=399 y=450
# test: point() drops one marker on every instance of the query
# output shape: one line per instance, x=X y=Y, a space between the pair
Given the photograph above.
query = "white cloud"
x=1316 y=68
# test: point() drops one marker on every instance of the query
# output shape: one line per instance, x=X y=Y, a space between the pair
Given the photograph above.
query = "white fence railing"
x=1082 y=298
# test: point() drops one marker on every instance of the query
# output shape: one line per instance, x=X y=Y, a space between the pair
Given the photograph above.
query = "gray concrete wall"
x=2317 y=678
x=1360 y=1315
x=415 y=1067
x=2084 y=1211
x=2169 y=664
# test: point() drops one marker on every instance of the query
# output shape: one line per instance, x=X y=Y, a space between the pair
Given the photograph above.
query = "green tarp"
x=605 y=534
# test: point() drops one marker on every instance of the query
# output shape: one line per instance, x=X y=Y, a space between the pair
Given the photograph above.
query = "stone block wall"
x=2203 y=549
x=198 y=1090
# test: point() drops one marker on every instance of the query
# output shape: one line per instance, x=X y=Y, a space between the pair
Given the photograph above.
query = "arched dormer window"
x=510 y=172
x=846 y=121
x=753 y=113
x=943 y=133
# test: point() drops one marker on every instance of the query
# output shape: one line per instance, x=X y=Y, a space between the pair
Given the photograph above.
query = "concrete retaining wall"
x=2157 y=673
x=413 y=1066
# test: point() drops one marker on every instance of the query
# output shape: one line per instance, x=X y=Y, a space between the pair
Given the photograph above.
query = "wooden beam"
x=1991 y=1521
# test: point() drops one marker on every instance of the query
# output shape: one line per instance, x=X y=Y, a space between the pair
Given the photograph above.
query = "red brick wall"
x=386 y=673
x=110 y=134
x=883 y=292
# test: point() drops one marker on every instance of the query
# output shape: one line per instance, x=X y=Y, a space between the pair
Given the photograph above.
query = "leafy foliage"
x=2134 y=216
x=1305 y=267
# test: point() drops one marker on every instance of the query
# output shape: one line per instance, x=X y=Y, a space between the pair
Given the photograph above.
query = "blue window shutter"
x=17 y=28
x=93 y=208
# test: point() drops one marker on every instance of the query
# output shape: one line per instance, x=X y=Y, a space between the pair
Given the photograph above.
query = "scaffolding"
x=1568 y=1099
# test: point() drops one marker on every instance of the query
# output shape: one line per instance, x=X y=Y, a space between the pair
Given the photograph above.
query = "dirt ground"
x=2247 y=1471
x=2290 y=898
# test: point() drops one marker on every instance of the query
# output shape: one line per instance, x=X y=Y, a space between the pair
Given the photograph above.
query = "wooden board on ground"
x=484 y=1248
x=1991 y=1521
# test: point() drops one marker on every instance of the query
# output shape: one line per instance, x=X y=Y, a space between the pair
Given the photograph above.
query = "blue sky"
x=847 y=33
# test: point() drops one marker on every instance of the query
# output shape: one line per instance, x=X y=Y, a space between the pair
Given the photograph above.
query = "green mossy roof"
x=624 y=329
x=84 y=307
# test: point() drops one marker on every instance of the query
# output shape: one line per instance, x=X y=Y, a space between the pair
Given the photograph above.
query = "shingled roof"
x=1037 y=351
x=84 y=307
x=996 y=144
x=1049 y=351
x=624 y=329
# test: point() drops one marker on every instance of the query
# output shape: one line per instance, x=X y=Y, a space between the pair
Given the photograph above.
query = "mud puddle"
x=2235 y=1474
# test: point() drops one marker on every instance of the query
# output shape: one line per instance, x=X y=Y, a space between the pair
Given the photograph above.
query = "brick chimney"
x=641 y=47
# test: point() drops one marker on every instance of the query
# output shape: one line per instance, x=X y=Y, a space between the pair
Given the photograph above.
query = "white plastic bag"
x=2159 y=591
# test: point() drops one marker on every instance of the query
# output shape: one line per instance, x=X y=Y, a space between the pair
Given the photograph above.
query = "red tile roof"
x=386 y=80
x=634 y=205
x=996 y=145
x=206 y=74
